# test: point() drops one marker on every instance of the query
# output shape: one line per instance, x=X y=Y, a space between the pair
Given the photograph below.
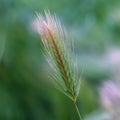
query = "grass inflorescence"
x=56 y=41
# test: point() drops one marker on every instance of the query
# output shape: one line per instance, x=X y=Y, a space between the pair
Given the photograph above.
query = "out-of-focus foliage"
x=26 y=92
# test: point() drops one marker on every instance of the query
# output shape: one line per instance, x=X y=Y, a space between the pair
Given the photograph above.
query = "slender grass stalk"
x=78 y=112
x=56 y=42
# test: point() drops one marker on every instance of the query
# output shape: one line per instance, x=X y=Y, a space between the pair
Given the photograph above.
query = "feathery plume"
x=55 y=41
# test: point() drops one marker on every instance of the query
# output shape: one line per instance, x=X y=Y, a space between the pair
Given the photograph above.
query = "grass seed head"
x=55 y=42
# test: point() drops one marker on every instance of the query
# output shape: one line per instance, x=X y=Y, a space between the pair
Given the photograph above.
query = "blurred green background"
x=26 y=92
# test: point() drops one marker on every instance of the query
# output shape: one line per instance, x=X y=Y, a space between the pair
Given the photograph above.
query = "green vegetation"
x=26 y=92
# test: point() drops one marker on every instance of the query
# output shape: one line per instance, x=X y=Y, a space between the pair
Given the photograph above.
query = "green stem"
x=78 y=112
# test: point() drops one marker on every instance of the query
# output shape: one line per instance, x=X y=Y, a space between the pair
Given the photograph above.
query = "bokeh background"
x=26 y=92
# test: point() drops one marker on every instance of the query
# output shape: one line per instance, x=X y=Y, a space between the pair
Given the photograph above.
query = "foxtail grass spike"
x=56 y=43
